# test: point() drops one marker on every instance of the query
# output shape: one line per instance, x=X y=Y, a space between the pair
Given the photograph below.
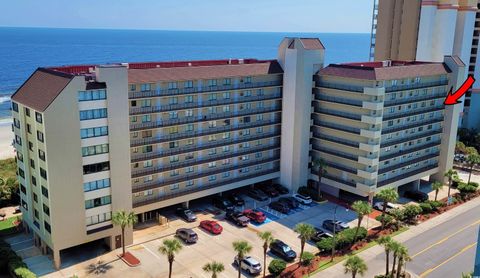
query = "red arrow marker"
x=453 y=99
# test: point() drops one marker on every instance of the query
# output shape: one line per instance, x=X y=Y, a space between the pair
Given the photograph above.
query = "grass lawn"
x=7 y=226
x=8 y=168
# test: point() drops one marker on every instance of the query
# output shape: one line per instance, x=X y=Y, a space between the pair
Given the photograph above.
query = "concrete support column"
x=416 y=185
x=43 y=247
x=56 y=259
x=186 y=204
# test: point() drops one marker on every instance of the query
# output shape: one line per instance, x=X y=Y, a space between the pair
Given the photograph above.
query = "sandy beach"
x=6 y=137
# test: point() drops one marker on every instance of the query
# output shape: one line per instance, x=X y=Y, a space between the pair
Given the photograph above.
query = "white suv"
x=249 y=264
x=390 y=206
x=302 y=199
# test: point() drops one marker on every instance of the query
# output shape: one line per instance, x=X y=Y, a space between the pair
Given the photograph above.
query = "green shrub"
x=436 y=204
x=23 y=272
x=411 y=212
x=466 y=188
x=276 y=267
x=345 y=237
x=307 y=258
x=475 y=184
x=325 y=245
x=387 y=218
x=426 y=207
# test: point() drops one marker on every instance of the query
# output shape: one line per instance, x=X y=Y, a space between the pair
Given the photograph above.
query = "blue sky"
x=345 y=16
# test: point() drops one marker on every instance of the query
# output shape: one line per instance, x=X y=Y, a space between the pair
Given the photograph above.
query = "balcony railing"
x=196 y=147
x=411 y=138
x=203 y=89
x=321 y=97
x=350 y=88
x=341 y=167
x=407 y=174
x=412 y=113
x=389 y=103
x=182 y=178
x=336 y=140
x=209 y=131
x=336 y=153
x=396 y=128
x=204 y=118
x=415 y=86
x=348 y=129
x=195 y=189
x=207 y=103
x=207 y=159
x=407 y=151
x=339 y=180
x=338 y=113
x=410 y=162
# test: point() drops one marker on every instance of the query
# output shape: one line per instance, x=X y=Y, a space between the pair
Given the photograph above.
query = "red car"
x=211 y=226
x=255 y=215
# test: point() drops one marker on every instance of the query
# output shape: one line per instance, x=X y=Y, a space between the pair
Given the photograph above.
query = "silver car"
x=249 y=264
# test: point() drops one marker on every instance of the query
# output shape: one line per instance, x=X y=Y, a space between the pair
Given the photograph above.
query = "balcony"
x=410 y=138
x=416 y=86
x=373 y=134
x=209 y=131
x=412 y=113
x=208 y=103
x=406 y=175
x=396 y=128
x=404 y=152
x=372 y=105
x=207 y=159
x=182 y=178
x=339 y=167
x=372 y=148
x=204 y=89
x=337 y=113
x=338 y=100
x=342 y=87
x=367 y=175
x=205 y=118
x=196 y=148
x=334 y=126
x=407 y=163
x=335 y=153
x=389 y=103
x=373 y=120
x=204 y=187
x=368 y=161
x=335 y=140
x=335 y=179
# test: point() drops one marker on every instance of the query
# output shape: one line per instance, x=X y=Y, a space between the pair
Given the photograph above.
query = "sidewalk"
x=369 y=255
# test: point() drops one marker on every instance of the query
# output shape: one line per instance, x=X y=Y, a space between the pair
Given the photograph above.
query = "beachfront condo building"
x=426 y=30
x=95 y=139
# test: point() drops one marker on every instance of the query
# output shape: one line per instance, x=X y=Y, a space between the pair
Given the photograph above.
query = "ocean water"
x=22 y=50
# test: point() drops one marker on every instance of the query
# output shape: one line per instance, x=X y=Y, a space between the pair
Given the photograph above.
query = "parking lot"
x=189 y=262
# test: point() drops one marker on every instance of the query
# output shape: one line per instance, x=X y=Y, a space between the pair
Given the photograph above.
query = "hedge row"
x=11 y=262
x=342 y=239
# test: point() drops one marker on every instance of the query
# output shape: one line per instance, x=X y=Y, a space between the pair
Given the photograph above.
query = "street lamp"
x=334 y=228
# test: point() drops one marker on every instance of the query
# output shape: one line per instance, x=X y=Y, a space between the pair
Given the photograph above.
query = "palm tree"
x=320 y=167
x=267 y=238
x=437 y=186
x=472 y=160
x=362 y=208
x=214 y=268
x=124 y=219
x=305 y=231
x=355 y=265
x=387 y=195
x=402 y=257
x=169 y=248
x=386 y=242
x=242 y=248
x=451 y=175
x=396 y=248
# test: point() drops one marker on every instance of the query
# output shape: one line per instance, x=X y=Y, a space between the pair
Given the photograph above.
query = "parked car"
x=248 y=264
x=237 y=218
x=269 y=190
x=222 y=203
x=339 y=225
x=186 y=214
x=303 y=199
x=17 y=210
x=390 y=206
x=236 y=200
x=290 y=201
x=320 y=234
x=255 y=215
x=282 y=250
x=281 y=189
x=280 y=207
x=187 y=235
x=211 y=226
x=257 y=195
x=416 y=195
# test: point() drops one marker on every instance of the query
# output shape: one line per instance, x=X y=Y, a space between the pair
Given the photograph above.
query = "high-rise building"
x=95 y=139
x=426 y=30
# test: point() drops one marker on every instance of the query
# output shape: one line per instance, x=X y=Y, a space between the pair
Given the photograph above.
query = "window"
x=189 y=113
x=189 y=169
x=147 y=149
x=18 y=140
x=46 y=210
x=174 y=186
x=189 y=183
x=100 y=218
x=32 y=163
x=38 y=117
x=226 y=174
x=172 y=114
x=43 y=173
x=41 y=155
x=212 y=178
x=146 y=118
x=16 y=123
x=227 y=81
x=173 y=144
x=226 y=149
x=172 y=85
x=94 y=185
x=19 y=156
x=97 y=202
x=146 y=103
x=23 y=189
x=212 y=82
x=15 y=106
x=212 y=164
x=226 y=95
x=248 y=79
x=212 y=124
x=29 y=128
x=92 y=95
x=212 y=96
x=40 y=136
x=133 y=87
x=93 y=114
x=174 y=158
x=189 y=99
x=47 y=226
x=45 y=191
x=94 y=150
x=174 y=173
x=34 y=180
x=188 y=84
x=30 y=146
x=97 y=167
x=21 y=173
x=145 y=87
